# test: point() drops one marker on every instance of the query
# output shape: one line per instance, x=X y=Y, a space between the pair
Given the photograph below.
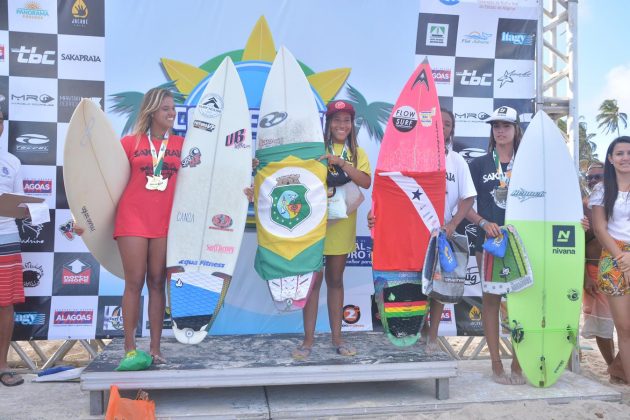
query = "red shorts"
x=11 y=284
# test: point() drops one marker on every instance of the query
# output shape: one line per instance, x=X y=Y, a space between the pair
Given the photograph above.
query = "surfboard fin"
x=571 y=335
x=517 y=332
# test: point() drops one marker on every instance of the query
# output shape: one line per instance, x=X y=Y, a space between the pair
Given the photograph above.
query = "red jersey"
x=142 y=212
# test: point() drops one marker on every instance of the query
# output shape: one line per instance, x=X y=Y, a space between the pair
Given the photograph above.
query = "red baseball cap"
x=338 y=106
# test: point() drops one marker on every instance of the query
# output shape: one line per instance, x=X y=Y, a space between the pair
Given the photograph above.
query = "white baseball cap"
x=504 y=113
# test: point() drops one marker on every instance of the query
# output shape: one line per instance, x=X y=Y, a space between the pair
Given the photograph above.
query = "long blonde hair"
x=150 y=103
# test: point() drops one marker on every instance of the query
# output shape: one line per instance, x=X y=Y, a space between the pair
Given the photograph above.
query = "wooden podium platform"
x=265 y=360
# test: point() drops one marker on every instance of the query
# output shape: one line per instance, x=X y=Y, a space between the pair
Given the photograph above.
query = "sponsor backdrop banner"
x=55 y=52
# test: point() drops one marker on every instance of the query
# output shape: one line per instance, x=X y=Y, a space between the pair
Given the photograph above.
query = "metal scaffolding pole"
x=556 y=66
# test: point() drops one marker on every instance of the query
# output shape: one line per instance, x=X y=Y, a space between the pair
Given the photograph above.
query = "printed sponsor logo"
x=426 y=117
x=204 y=125
x=76 y=317
x=32 y=232
x=203 y=263
x=516 y=38
x=509 y=76
x=268 y=142
x=470 y=78
x=32 y=143
x=507 y=5
x=437 y=34
x=476 y=37
x=524 y=195
x=573 y=295
x=273 y=118
x=81 y=58
x=185 y=217
x=449 y=2
x=2 y=53
x=474 y=314
x=76 y=272
x=67 y=230
x=30 y=99
x=112 y=318
x=472 y=276
x=37 y=186
x=192 y=159
x=447 y=316
x=80 y=14
x=222 y=222
x=422 y=79
x=29 y=318
x=351 y=314
x=362 y=255
x=405 y=118
x=220 y=249
x=236 y=139
x=31 y=274
x=88 y=219
x=71 y=101
x=32 y=10
x=211 y=105
x=31 y=56
x=472 y=116
x=563 y=237
x=442 y=75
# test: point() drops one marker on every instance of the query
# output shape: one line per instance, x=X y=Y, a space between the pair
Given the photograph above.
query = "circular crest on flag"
x=291 y=202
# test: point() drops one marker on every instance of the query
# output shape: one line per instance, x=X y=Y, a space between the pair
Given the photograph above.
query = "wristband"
x=482 y=223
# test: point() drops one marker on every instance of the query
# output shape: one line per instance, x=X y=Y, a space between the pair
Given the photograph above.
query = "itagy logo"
x=516 y=38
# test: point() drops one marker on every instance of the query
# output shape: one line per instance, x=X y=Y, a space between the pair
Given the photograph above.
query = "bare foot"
x=498 y=374
x=433 y=347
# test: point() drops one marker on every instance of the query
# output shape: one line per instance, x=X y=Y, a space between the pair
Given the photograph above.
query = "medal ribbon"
x=343 y=154
x=158 y=158
x=504 y=178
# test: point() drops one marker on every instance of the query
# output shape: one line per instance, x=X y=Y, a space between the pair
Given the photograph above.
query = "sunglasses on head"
x=597 y=177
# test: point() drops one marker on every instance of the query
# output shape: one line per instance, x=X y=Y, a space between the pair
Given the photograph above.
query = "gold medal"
x=156 y=183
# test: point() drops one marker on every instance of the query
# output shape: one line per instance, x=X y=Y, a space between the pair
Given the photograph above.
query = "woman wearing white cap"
x=491 y=176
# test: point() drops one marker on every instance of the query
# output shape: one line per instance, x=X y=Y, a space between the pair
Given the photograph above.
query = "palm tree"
x=609 y=117
x=374 y=116
x=587 y=148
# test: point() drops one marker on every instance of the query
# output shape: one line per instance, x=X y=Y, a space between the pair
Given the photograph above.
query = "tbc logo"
x=30 y=56
x=471 y=78
x=564 y=236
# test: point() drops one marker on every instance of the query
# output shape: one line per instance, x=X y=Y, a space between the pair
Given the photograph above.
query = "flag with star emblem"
x=290 y=198
x=410 y=180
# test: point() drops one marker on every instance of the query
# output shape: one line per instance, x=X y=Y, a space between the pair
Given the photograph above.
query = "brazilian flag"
x=290 y=203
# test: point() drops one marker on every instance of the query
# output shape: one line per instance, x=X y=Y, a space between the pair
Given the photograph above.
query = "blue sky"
x=603 y=61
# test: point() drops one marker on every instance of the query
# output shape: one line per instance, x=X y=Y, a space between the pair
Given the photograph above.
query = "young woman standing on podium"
x=142 y=220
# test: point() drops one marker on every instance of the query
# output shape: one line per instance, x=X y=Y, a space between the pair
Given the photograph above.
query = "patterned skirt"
x=611 y=279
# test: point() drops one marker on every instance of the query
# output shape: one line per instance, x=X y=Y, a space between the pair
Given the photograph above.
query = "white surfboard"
x=95 y=174
x=209 y=209
x=288 y=116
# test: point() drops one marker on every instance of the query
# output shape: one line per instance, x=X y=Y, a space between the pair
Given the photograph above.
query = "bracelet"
x=482 y=223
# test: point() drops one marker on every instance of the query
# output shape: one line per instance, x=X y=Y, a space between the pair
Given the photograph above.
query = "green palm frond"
x=128 y=103
x=373 y=116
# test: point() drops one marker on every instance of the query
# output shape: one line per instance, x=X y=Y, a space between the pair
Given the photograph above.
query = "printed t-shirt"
x=142 y=212
x=484 y=175
x=341 y=235
x=10 y=182
x=459 y=183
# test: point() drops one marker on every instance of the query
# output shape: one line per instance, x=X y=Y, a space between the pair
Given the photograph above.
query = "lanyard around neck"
x=504 y=178
x=158 y=158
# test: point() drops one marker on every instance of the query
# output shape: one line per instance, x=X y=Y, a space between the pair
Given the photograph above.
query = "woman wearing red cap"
x=347 y=162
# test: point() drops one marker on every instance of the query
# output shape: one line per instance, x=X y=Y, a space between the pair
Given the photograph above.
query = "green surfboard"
x=545 y=207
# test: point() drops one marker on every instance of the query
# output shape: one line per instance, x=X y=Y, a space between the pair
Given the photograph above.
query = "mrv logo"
x=563 y=237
